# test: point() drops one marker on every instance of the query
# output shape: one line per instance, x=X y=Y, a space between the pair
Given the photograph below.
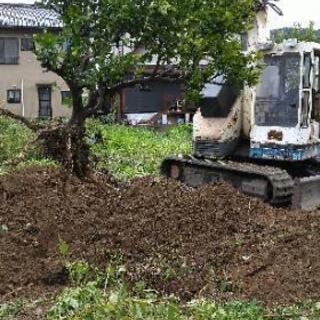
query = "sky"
x=302 y=11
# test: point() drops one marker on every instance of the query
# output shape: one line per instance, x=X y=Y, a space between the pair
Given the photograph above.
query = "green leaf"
x=63 y=247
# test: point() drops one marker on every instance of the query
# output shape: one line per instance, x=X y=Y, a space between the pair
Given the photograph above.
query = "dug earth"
x=207 y=242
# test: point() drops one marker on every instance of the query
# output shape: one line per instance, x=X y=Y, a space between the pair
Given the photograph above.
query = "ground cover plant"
x=129 y=152
x=104 y=294
x=13 y=138
x=125 y=151
x=16 y=147
x=100 y=294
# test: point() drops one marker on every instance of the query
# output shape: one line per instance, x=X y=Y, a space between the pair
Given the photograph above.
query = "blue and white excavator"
x=264 y=140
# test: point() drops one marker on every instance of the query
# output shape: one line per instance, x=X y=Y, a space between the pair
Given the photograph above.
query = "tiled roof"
x=27 y=16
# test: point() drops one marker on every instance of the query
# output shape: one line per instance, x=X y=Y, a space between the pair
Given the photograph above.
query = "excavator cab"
x=286 y=108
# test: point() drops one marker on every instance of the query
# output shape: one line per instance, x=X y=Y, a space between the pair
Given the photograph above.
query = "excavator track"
x=272 y=184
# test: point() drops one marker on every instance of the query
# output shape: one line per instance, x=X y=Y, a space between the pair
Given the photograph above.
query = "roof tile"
x=27 y=16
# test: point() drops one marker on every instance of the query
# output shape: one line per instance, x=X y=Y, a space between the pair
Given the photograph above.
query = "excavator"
x=264 y=140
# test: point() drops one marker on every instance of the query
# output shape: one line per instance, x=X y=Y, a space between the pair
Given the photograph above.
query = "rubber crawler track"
x=280 y=181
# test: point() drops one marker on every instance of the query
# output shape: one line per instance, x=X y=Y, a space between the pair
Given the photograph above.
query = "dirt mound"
x=212 y=241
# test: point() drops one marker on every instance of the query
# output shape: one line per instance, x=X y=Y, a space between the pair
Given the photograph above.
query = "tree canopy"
x=107 y=44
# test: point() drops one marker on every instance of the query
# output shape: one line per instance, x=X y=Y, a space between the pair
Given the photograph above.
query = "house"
x=25 y=87
x=28 y=90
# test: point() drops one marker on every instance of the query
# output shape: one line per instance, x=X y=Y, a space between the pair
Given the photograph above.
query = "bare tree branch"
x=166 y=77
x=32 y=126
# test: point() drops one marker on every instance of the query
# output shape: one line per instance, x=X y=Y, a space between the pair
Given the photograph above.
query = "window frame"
x=10 y=60
x=45 y=112
x=15 y=99
x=29 y=48
x=66 y=97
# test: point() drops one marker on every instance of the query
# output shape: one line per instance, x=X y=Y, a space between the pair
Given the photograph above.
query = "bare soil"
x=211 y=242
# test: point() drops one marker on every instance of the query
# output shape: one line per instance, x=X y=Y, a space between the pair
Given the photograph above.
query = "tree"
x=191 y=41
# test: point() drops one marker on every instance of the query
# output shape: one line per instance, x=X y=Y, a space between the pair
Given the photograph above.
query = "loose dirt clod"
x=213 y=241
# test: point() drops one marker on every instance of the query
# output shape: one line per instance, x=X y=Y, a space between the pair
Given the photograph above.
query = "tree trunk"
x=66 y=143
x=77 y=148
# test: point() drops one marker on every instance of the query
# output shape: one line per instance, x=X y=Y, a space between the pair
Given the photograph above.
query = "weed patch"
x=135 y=151
x=107 y=296
x=10 y=309
x=17 y=149
x=125 y=151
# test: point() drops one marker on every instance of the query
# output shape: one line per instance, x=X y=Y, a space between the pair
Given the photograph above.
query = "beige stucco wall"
x=27 y=76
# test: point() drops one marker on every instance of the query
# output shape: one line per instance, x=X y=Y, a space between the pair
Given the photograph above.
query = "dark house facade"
x=154 y=97
x=159 y=102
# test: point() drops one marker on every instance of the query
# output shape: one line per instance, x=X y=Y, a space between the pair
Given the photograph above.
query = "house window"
x=14 y=96
x=45 y=103
x=66 y=98
x=9 y=51
x=27 y=44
